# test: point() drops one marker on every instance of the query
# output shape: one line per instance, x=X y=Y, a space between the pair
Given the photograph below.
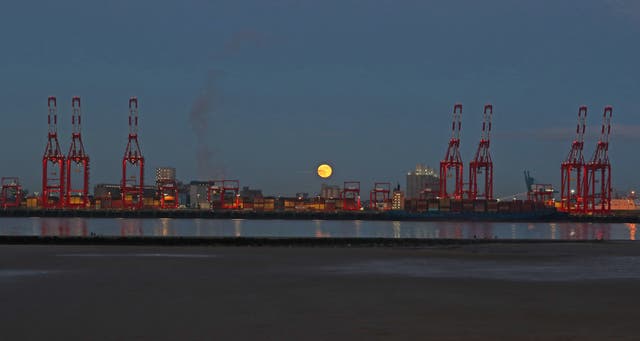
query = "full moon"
x=324 y=171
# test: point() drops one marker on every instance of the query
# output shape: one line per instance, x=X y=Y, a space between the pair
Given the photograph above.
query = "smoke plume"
x=208 y=167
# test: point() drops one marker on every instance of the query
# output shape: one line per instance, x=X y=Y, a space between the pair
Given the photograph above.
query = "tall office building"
x=165 y=174
x=423 y=182
x=329 y=191
x=198 y=192
x=397 y=199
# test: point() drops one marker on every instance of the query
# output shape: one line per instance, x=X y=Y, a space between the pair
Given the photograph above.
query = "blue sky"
x=366 y=85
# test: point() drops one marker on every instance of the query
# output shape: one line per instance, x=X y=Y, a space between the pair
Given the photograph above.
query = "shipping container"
x=527 y=206
x=492 y=206
x=422 y=205
x=434 y=205
x=467 y=205
x=330 y=206
x=480 y=206
x=32 y=202
x=456 y=205
x=505 y=206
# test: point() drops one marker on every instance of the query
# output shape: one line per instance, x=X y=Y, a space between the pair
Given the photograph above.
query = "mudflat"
x=476 y=292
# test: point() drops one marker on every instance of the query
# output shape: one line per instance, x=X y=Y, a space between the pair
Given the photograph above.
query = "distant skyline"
x=265 y=91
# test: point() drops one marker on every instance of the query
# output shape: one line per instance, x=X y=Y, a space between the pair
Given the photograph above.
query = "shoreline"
x=283 y=241
x=534 y=216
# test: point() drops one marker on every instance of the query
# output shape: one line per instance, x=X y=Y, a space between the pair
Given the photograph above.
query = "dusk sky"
x=273 y=88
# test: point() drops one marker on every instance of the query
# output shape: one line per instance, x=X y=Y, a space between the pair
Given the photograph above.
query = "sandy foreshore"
x=567 y=291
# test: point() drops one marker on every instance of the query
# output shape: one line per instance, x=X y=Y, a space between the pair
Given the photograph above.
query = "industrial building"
x=397 y=199
x=423 y=183
x=329 y=191
x=165 y=174
x=198 y=191
x=110 y=196
x=250 y=194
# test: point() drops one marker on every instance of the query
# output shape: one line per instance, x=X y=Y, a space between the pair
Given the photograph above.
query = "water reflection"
x=480 y=231
x=319 y=233
x=198 y=223
x=602 y=232
x=584 y=231
x=313 y=228
x=554 y=230
x=63 y=227
x=131 y=228
x=453 y=231
x=358 y=225
x=237 y=227
x=165 y=229
x=396 y=229
x=632 y=231
x=578 y=231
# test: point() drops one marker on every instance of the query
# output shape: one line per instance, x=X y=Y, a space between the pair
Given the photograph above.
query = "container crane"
x=482 y=161
x=132 y=187
x=53 y=162
x=572 y=170
x=452 y=159
x=597 y=199
x=79 y=159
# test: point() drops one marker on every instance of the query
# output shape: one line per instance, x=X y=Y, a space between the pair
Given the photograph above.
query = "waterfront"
x=482 y=291
x=166 y=227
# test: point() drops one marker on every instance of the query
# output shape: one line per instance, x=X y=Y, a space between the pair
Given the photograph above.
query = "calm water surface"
x=310 y=228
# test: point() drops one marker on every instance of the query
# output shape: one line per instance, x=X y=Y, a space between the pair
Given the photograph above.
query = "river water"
x=310 y=228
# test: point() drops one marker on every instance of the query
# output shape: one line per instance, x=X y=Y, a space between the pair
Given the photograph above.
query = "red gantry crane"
x=379 y=197
x=224 y=194
x=572 y=169
x=168 y=191
x=482 y=161
x=78 y=158
x=132 y=186
x=597 y=199
x=452 y=159
x=53 y=163
x=351 y=196
x=11 y=195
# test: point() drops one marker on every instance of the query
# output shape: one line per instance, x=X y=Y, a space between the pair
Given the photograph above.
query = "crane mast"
x=482 y=162
x=452 y=162
x=78 y=160
x=572 y=170
x=53 y=162
x=597 y=197
x=132 y=182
